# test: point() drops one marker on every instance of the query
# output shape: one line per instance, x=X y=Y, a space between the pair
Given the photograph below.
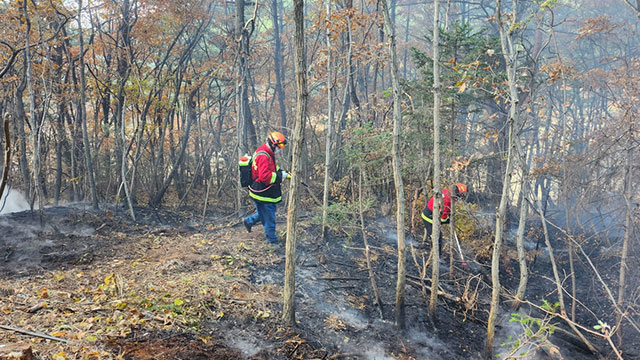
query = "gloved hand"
x=285 y=175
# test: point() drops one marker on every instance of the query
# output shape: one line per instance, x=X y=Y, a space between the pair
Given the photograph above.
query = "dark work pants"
x=429 y=227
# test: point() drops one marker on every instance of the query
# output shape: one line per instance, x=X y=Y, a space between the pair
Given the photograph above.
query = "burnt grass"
x=336 y=315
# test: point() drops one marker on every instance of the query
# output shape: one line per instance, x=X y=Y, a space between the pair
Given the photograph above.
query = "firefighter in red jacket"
x=445 y=209
x=265 y=189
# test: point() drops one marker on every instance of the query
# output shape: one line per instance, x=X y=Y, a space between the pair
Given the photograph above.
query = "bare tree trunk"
x=352 y=83
x=628 y=226
x=522 y=259
x=452 y=234
x=327 y=157
x=437 y=192
x=510 y=57
x=7 y=156
x=243 y=146
x=82 y=114
x=58 y=127
x=288 y=311
x=346 y=104
x=277 y=65
x=374 y=287
x=35 y=124
x=123 y=70
x=21 y=118
x=123 y=167
x=397 y=174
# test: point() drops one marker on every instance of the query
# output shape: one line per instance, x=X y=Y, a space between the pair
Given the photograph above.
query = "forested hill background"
x=150 y=103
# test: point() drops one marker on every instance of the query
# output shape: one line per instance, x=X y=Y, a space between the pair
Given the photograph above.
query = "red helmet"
x=277 y=139
x=461 y=189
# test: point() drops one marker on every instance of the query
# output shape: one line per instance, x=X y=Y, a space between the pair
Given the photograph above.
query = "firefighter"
x=445 y=209
x=265 y=189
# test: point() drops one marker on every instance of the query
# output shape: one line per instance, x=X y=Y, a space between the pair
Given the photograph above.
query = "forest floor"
x=176 y=286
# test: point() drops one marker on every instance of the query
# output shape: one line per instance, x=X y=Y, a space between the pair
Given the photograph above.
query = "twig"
x=35 y=334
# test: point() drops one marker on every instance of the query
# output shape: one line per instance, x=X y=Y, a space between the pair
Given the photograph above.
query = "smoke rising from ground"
x=13 y=201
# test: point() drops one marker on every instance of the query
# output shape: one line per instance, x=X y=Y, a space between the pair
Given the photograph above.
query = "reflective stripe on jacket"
x=427 y=213
x=266 y=175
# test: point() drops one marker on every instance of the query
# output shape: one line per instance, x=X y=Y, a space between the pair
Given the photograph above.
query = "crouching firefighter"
x=460 y=191
x=265 y=189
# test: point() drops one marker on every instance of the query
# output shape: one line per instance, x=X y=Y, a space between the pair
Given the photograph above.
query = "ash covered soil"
x=174 y=285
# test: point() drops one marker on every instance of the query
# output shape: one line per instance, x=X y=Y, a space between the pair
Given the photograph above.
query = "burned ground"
x=178 y=286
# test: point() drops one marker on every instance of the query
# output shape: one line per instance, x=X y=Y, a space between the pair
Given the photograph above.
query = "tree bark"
x=329 y=132
x=246 y=132
x=522 y=259
x=21 y=119
x=123 y=70
x=628 y=226
x=35 y=124
x=300 y=67
x=277 y=65
x=397 y=174
x=82 y=114
x=123 y=168
x=363 y=228
x=437 y=192
x=510 y=57
x=7 y=157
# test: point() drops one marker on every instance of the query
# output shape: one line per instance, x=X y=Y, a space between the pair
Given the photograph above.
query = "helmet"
x=277 y=139
x=461 y=189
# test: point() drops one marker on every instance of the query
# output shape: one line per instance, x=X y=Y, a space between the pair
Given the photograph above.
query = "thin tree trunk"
x=82 y=114
x=510 y=57
x=374 y=287
x=21 y=118
x=35 y=124
x=435 y=235
x=58 y=128
x=397 y=174
x=628 y=227
x=123 y=167
x=350 y=66
x=7 y=156
x=242 y=145
x=522 y=259
x=123 y=70
x=288 y=312
x=277 y=65
x=329 y=132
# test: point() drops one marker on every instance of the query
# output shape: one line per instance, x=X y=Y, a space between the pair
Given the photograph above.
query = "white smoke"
x=12 y=201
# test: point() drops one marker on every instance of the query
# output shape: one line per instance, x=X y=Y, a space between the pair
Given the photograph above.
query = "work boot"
x=246 y=225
